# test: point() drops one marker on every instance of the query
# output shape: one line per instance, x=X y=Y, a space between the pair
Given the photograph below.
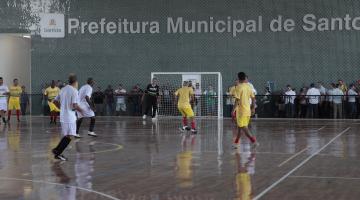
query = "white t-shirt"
x=352 y=95
x=313 y=99
x=119 y=98
x=337 y=99
x=330 y=92
x=3 y=89
x=67 y=97
x=85 y=90
x=291 y=97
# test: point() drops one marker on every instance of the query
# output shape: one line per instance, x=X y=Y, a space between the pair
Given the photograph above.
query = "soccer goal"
x=207 y=87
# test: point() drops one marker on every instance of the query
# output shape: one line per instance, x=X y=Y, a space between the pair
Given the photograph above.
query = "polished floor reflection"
x=136 y=160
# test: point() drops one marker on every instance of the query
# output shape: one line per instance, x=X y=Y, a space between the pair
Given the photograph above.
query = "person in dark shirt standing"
x=150 y=99
x=99 y=97
x=24 y=100
x=109 y=99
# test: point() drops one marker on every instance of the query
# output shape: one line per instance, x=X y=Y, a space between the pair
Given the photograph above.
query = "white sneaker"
x=235 y=146
x=77 y=136
x=144 y=116
x=254 y=145
x=92 y=134
x=153 y=119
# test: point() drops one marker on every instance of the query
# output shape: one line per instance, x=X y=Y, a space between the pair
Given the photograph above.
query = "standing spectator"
x=24 y=100
x=44 y=102
x=135 y=99
x=109 y=100
x=322 y=104
x=328 y=101
x=302 y=103
x=210 y=100
x=313 y=95
x=98 y=98
x=337 y=102
x=228 y=105
x=60 y=84
x=342 y=86
x=352 y=110
x=120 y=94
x=167 y=99
x=150 y=99
x=198 y=98
x=266 y=103
x=289 y=101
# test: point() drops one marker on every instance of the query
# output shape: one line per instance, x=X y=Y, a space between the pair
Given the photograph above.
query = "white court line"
x=320 y=128
x=59 y=184
x=298 y=166
x=325 y=177
x=292 y=157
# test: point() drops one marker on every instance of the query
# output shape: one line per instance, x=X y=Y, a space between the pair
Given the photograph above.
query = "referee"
x=150 y=99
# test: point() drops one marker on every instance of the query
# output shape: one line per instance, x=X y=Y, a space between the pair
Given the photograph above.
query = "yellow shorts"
x=242 y=121
x=14 y=103
x=186 y=111
x=53 y=107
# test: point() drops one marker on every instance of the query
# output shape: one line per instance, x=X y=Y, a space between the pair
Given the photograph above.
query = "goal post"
x=208 y=91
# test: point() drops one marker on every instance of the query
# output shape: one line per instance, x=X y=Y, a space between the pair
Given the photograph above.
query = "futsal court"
x=134 y=159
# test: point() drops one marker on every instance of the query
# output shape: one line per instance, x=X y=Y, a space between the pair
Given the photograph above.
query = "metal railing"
x=267 y=106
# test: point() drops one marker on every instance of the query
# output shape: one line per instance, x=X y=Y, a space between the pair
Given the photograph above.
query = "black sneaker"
x=54 y=151
x=4 y=120
x=60 y=157
x=194 y=131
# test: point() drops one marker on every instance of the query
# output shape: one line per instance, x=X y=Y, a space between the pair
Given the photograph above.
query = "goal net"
x=207 y=88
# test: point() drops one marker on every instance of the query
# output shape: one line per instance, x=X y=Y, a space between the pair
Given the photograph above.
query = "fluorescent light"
x=26 y=36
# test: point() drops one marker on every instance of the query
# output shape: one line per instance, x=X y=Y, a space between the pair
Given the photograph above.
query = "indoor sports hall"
x=179 y=100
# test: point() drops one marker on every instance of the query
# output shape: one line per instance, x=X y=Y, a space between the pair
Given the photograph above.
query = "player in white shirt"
x=4 y=91
x=87 y=107
x=69 y=104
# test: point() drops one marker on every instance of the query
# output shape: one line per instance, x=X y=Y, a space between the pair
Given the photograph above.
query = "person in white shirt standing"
x=313 y=94
x=4 y=91
x=338 y=96
x=69 y=104
x=352 y=101
x=289 y=101
x=87 y=106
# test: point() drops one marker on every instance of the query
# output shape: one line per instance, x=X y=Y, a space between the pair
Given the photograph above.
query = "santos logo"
x=52 y=26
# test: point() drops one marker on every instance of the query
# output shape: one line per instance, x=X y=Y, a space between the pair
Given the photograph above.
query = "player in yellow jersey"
x=232 y=94
x=184 y=95
x=245 y=107
x=14 y=99
x=50 y=93
x=245 y=164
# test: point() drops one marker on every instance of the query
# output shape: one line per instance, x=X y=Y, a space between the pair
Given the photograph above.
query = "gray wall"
x=15 y=59
x=297 y=57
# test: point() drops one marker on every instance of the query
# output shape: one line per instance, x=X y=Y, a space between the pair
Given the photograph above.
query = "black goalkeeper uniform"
x=150 y=99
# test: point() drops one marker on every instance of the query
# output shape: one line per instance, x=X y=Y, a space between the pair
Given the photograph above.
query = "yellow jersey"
x=232 y=90
x=52 y=92
x=15 y=91
x=243 y=186
x=243 y=93
x=184 y=95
